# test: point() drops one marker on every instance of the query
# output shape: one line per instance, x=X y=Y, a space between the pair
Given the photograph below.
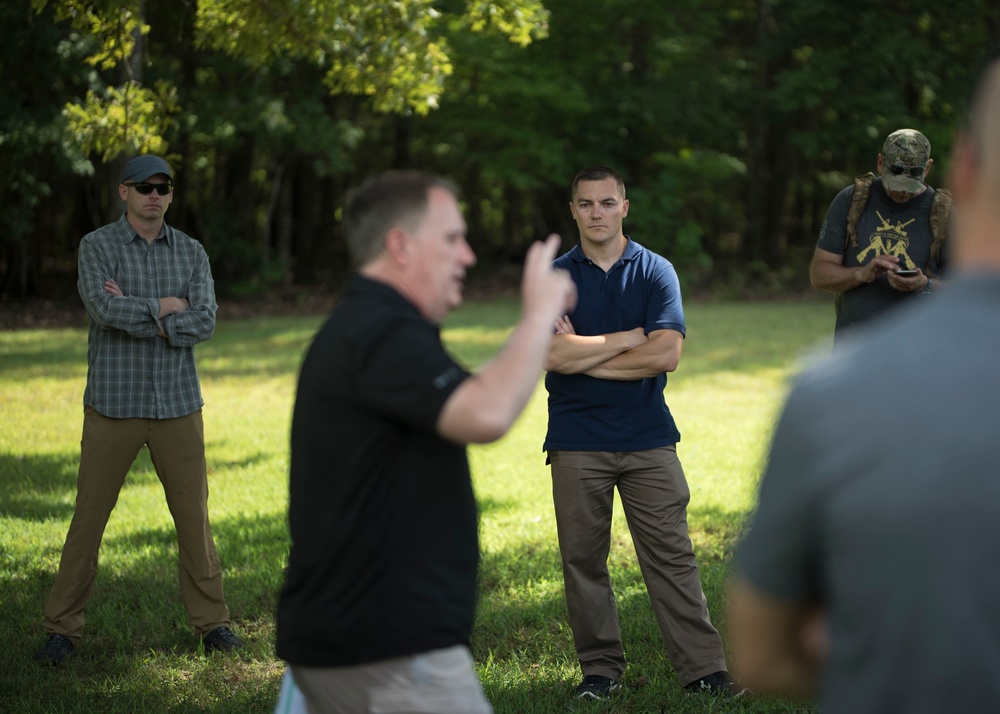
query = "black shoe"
x=57 y=649
x=717 y=684
x=594 y=686
x=221 y=639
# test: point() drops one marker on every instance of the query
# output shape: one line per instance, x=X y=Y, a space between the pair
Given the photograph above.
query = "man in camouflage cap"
x=903 y=152
x=880 y=245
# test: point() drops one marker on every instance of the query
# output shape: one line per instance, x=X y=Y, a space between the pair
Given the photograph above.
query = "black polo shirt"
x=381 y=512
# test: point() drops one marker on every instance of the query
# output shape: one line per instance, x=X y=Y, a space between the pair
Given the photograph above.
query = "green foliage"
x=40 y=70
x=613 y=83
x=856 y=71
x=522 y=22
x=113 y=26
x=385 y=51
x=388 y=52
x=111 y=120
x=734 y=121
x=130 y=118
x=678 y=206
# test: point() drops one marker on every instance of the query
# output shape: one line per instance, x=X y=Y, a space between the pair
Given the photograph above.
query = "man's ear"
x=962 y=170
x=397 y=246
x=123 y=191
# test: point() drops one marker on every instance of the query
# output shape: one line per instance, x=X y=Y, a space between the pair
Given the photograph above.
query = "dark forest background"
x=734 y=122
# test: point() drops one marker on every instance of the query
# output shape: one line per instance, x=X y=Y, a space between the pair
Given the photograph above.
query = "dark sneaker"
x=717 y=684
x=594 y=686
x=57 y=649
x=221 y=639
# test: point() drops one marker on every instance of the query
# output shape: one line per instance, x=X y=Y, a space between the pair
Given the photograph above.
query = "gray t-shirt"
x=885 y=228
x=881 y=503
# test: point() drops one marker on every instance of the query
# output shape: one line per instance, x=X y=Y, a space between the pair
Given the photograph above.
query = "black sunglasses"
x=146 y=188
x=912 y=171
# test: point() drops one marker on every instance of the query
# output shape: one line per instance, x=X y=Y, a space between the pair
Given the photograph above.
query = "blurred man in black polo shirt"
x=378 y=604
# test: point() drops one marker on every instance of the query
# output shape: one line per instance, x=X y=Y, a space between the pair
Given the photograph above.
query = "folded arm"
x=168 y=306
x=187 y=321
x=183 y=321
x=660 y=353
x=575 y=354
x=109 y=308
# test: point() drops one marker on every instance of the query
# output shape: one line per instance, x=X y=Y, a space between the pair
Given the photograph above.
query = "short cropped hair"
x=394 y=199
x=597 y=173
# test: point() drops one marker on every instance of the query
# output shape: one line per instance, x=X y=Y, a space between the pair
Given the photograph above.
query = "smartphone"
x=906 y=273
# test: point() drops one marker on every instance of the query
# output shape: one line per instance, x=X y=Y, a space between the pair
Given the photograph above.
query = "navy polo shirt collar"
x=632 y=251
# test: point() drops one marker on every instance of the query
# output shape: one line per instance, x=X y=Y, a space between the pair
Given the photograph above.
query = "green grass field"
x=139 y=654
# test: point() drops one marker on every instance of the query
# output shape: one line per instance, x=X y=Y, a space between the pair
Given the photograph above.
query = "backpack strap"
x=862 y=190
x=940 y=209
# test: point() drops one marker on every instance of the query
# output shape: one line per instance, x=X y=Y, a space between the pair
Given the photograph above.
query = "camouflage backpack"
x=940 y=208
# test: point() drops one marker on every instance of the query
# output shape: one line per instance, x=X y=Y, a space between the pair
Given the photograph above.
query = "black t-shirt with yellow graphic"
x=885 y=228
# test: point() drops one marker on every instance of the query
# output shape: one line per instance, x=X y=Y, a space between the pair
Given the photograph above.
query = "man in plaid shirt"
x=149 y=292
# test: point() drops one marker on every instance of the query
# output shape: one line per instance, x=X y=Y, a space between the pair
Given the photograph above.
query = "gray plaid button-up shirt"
x=132 y=372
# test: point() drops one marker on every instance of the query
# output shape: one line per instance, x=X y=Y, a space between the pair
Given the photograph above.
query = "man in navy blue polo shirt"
x=609 y=426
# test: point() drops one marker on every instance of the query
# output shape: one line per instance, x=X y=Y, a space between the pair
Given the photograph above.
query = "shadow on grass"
x=45 y=351
x=715 y=531
x=492 y=505
x=138 y=651
x=37 y=487
x=41 y=487
x=277 y=346
x=246 y=462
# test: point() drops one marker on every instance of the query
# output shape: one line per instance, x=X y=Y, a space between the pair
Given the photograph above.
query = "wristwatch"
x=927 y=287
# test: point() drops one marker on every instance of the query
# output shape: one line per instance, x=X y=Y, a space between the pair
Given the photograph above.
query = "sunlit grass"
x=139 y=654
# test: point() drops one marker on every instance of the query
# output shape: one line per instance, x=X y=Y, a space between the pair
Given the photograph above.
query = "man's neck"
x=606 y=253
x=383 y=271
x=147 y=230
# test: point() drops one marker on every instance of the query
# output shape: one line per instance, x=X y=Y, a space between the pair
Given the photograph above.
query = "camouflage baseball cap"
x=903 y=151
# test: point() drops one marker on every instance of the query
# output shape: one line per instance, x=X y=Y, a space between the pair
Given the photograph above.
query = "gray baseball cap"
x=142 y=167
x=903 y=152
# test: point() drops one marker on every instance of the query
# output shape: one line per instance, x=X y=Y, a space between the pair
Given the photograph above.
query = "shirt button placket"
x=158 y=345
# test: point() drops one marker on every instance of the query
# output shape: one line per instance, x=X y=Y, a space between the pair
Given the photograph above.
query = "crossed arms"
x=183 y=321
x=168 y=305
x=622 y=356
